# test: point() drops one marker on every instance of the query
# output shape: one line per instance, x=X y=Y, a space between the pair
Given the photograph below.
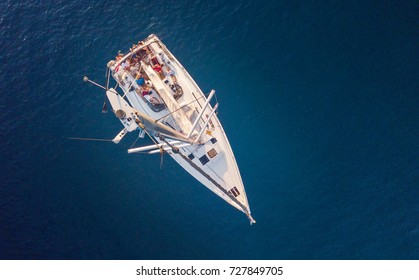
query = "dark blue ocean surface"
x=319 y=99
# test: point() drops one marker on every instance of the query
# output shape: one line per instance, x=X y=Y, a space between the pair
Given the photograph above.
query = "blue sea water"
x=319 y=100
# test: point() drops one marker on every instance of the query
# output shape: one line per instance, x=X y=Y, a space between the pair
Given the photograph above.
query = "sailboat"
x=155 y=96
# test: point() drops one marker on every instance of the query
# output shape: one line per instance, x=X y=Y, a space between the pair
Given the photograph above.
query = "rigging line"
x=178 y=109
x=159 y=147
x=135 y=142
x=142 y=126
x=128 y=90
x=104 y=106
x=152 y=139
x=108 y=75
x=89 y=139
x=161 y=159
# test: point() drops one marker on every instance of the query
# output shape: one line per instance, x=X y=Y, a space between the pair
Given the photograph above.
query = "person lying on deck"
x=171 y=73
x=157 y=67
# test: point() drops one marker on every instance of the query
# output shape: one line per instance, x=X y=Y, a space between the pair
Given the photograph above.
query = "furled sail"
x=133 y=119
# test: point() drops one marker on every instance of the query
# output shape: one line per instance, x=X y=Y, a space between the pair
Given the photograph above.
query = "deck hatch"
x=204 y=159
x=212 y=153
x=234 y=191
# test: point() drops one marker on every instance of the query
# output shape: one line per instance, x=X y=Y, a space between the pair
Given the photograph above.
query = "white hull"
x=210 y=158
